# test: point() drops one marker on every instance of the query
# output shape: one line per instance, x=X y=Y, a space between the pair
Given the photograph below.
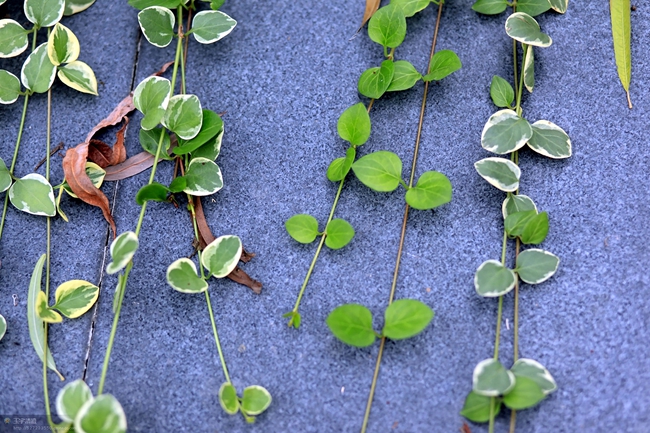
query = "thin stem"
x=513 y=420
x=216 y=337
x=492 y=414
x=516 y=308
x=364 y=426
x=629 y=101
x=514 y=52
x=520 y=90
x=497 y=337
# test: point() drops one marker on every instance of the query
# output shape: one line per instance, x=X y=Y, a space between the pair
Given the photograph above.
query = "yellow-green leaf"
x=62 y=45
x=75 y=297
x=621 y=29
x=79 y=76
x=45 y=313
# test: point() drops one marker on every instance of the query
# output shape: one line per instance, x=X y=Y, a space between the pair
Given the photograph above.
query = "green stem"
x=216 y=337
x=520 y=90
x=492 y=414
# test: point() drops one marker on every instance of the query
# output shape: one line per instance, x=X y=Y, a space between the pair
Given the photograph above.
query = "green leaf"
x=13 y=38
x=151 y=97
x=492 y=279
x=3 y=326
x=184 y=116
x=443 y=63
x=505 y=132
x=405 y=75
x=533 y=7
x=500 y=173
x=516 y=222
x=529 y=69
x=75 y=297
x=352 y=324
x=380 y=171
x=228 y=398
x=517 y=203
x=387 y=26
x=524 y=395
x=211 y=149
x=302 y=228
x=34 y=323
x=157 y=24
x=152 y=192
x=535 y=266
x=211 y=126
x=211 y=26
x=295 y=318
x=62 y=45
x=340 y=167
x=203 y=177
x=535 y=230
x=143 y=4
x=5 y=177
x=178 y=184
x=523 y=28
x=44 y=13
x=221 y=256
x=501 y=92
x=71 y=398
x=550 y=140
x=490 y=7
x=79 y=76
x=432 y=190
x=104 y=414
x=339 y=234
x=33 y=194
x=491 y=379
x=535 y=371
x=44 y=312
x=149 y=141
x=255 y=400
x=559 y=5
x=216 y=4
x=94 y=172
x=9 y=87
x=38 y=72
x=122 y=250
x=405 y=318
x=182 y=276
x=411 y=7
x=75 y=6
x=354 y=125
x=477 y=407
x=374 y=82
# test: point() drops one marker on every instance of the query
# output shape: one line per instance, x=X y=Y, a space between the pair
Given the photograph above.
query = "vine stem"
x=398 y=260
x=121 y=285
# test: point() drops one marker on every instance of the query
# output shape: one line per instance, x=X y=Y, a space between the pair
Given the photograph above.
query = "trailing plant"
x=527 y=382
x=382 y=170
x=621 y=35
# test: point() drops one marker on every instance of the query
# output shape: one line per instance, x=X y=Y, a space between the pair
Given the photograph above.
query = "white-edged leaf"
x=33 y=194
x=71 y=398
x=203 y=177
x=492 y=279
x=491 y=378
x=559 y=5
x=517 y=203
x=75 y=297
x=255 y=400
x=529 y=68
x=13 y=38
x=38 y=72
x=5 y=177
x=9 y=87
x=104 y=414
x=3 y=326
x=211 y=26
x=499 y=172
x=534 y=266
x=182 y=276
x=550 y=140
x=228 y=398
x=44 y=13
x=151 y=97
x=122 y=250
x=75 y=6
x=532 y=369
x=44 y=312
x=157 y=24
x=505 y=132
x=523 y=28
x=62 y=45
x=411 y=7
x=184 y=116
x=79 y=76
x=221 y=256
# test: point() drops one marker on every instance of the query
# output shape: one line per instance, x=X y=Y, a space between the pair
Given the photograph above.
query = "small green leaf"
x=228 y=398
x=500 y=173
x=13 y=38
x=75 y=6
x=387 y=26
x=505 y=132
x=432 y=190
x=352 y=324
x=535 y=266
x=517 y=203
x=490 y=7
x=210 y=127
x=340 y=167
x=255 y=400
x=33 y=194
x=380 y=171
x=516 y=222
x=45 y=313
x=535 y=371
x=501 y=92
x=104 y=414
x=529 y=68
x=354 y=125
x=143 y=4
x=149 y=141
x=294 y=318
x=559 y=5
x=184 y=116
x=524 y=395
x=62 y=45
x=374 y=82
x=411 y=7
x=5 y=177
x=38 y=72
x=151 y=97
x=535 y=230
x=79 y=76
x=178 y=184
x=71 y=398
x=550 y=140
x=491 y=379
x=94 y=172
x=3 y=326
x=405 y=75
x=157 y=24
x=216 y=4
x=523 y=28
x=533 y=7
x=492 y=279
x=9 y=87
x=211 y=149
x=406 y=318
x=221 y=256
x=152 y=192
x=339 y=234
x=203 y=177
x=211 y=26
x=75 y=297
x=302 y=228
x=477 y=407
x=182 y=276
x=443 y=63
x=44 y=13
x=122 y=250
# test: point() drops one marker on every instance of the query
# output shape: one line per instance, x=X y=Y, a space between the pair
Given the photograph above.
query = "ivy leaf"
x=535 y=230
x=387 y=26
x=523 y=28
x=505 y=132
x=151 y=97
x=535 y=266
x=340 y=167
x=79 y=76
x=75 y=297
x=380 y=171
x=182 y=276
x=104 y=414
x=492 y=279
x=13 y=38
x=443 y=63
x=157 y=24
x=501 y=92
x=374 y=82
x=122 y=250
x=500 y=173
x=228 y=398
x=71 y=398
x=533 y=7
x=9 y=87
x=524 y=395
x=517 y=203
x=354 y=125
x=339 y=234
x=184 y=116
x=33 y=194
x=210 y=26
x=550 y=140
x=491 y=379
x=302 y=228
x=221 y=256
x=490 y=7
x=352 y=324
x=535 y=371
x=405 y=318
x=477 y=407
x=38 y=72
x=405 y=75
x=62 y=45
x=203 y=177
x=432 y=190
x=44 y=13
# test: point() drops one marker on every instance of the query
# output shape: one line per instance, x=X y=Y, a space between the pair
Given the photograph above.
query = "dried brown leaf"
x=371 y=8
x=132 y=166
x=105 y=155
x=465 y=428
x=241 y=277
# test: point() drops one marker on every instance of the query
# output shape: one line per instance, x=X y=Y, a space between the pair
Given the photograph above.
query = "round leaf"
x=33 y=194
x=45 y=313
x=501 y=92
x=38 y=72
x=122 y=250
x=432 y=190
x=157 y=24
x=490 y=7
x=203 y=177
x=75 y=6
x=94 y=172
x=5 y=177
x=505 y=132
x=523 y=28
x=182 y=276
x=13 y=38
x=380 y=171
x=406 y=318
x=152 y=192
x=211 y=126
x=104 y=414
x=9 y=87
x=550 y=140
x=477 y=407
x=211 y=26
x=517 y=203
x=443 y=63
x=524 y=395
x=533 y=7
x=374 y=82
x=221 y=256
x=151 y=97
x=387 y=26
x=340 y=167
x=228 y=398
x=491 y=379
x=405 y=75
x=535 y=371
x=354 y=125
x=302 y=228
x=79 y=76
x=339 y=234
x=411 y=7
x=492 y=279
x=255 y=400
x=44 y=13
x=535 y=266
x=184 y=116
x=352 y=324
x=535 y=230
x=75 y=297
x=500 y=173
x=62 y=45
x=71 y=398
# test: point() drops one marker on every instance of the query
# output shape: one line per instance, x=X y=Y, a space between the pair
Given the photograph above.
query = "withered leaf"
x=132 y=166
x=371 y=8
x=465 y=428
x=241 y=277
x=104 y=155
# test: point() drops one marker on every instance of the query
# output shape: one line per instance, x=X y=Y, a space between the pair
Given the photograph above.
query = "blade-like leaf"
x=621 y=34
x=529 y=69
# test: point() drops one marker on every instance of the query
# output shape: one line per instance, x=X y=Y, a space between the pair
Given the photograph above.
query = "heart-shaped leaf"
x=523 y=28
x=443 y=63
x=517 y=203
x=302 y=228
x=432 y=190
x=490 y=7
x=501 y=92
x=45 y=313
x=339 y=234
x=477 y=407
x=387 y=26
x=492 y=279
x=152 y=192
x=221 y=256
x=354 y=125
x=104 y=414
x=352 y=324
x=524 y=395
x=535 y=266
x=182 y=276
x=157 y=24
x=203 y=177
x=380 y=171
x=13 y=38
x=491 y=379
x=44 y=13
x=406 y=318
x=33 y=194
x=75 y=297
x=374 y=82
x=75 y=6
x=38 y=72
x=404 y=76
x=79 y=76
x=228 y=398
x=535 y=230
x=535 y=371
x=71 y=398
x=505 y=132
x=340 y=167
x=550 y=140
x=151 y=97
x=62 y=45
x=500 y=173
x=184 y=116
x=122 y=250
x=211 y=26
x=255 y=400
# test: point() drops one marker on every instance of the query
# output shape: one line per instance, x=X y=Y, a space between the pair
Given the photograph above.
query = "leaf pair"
x=72 y=299
x=304 y=229
x=531 y=227
x=77 y=407
x=254 y=400
x=404 y=318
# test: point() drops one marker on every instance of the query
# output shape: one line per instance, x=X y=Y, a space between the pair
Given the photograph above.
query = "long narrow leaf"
x=621 y=30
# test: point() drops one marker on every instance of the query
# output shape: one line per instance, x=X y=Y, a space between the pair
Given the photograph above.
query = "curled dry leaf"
x=371 y=8
x=132 y=166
